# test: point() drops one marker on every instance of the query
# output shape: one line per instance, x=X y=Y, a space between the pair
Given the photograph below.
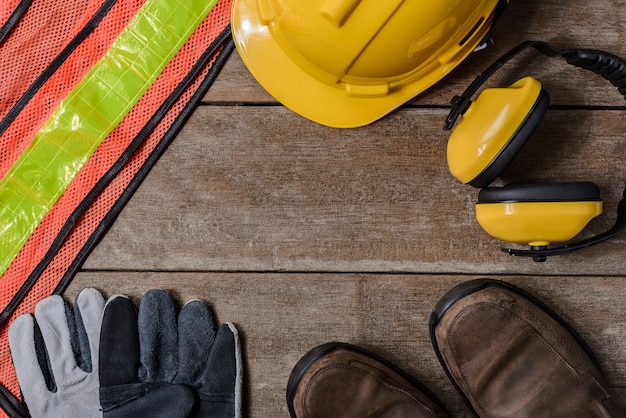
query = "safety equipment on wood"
x=346 y=63
x=492 y=131
x=161 y=362
x=52 y=53
x=56 y=356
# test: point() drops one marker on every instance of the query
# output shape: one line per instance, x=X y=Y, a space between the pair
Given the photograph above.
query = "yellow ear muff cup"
x=494 y=129
x=539 y=214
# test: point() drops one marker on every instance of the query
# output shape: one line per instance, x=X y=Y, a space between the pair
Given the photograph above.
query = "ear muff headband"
x=611 y=68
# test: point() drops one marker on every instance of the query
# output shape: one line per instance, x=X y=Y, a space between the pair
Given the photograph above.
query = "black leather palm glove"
x=163 y=364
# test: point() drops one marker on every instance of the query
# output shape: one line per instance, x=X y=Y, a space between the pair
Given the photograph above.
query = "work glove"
x=163 y=364
x=55 y=354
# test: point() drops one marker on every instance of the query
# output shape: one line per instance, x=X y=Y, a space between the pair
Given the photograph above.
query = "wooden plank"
x=261 y=189
x=281 y=316
x=571 y=24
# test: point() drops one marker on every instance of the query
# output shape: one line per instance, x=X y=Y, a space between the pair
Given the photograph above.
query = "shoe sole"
x=323 y=350
x=465 y=289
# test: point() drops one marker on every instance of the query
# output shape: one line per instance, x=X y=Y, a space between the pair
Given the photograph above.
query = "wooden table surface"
x=302 y=234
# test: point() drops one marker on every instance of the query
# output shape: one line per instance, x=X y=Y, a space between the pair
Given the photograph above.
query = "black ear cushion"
x=515 y=143
x=546 y=192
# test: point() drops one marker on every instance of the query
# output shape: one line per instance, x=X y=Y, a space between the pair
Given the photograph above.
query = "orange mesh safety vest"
x=61 y=241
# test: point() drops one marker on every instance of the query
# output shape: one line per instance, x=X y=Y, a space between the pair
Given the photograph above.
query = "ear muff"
x=493 y=130
x=538 y=214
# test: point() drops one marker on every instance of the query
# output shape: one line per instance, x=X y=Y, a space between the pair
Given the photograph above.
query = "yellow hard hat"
x=346 y=63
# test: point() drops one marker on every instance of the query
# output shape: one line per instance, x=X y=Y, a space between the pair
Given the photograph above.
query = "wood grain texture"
x=302 y=234
x=261 y=189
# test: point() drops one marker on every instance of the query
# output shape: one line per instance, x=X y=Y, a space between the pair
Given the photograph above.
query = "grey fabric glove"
x=55 y=354
x=163 y=364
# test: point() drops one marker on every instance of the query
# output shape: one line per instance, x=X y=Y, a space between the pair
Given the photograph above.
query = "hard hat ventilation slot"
x=472 y=31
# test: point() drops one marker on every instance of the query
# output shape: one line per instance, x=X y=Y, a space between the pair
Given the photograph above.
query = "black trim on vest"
x=13 y=20
x=11 y=405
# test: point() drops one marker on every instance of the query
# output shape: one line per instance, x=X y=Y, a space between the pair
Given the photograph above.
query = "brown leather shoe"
x=511 y=356
x=341 y=380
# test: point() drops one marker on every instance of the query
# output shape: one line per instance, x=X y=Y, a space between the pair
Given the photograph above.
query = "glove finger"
x=88 y=309
x=220 y=394
x=30 y=361
x=196 y=333
x=119 y=343
x=53 y=315
x=158 y=336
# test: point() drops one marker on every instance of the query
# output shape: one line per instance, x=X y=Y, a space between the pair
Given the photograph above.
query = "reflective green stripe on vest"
x=89 y=113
